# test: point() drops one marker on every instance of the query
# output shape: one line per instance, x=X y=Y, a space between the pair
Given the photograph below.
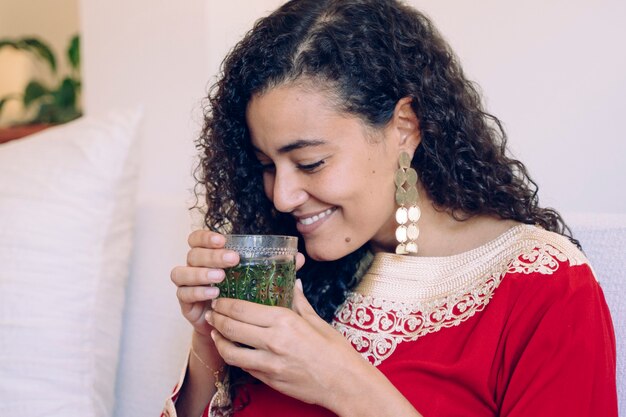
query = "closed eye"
x=311 y=167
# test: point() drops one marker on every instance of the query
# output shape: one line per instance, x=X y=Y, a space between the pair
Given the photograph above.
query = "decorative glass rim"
x=268 y=245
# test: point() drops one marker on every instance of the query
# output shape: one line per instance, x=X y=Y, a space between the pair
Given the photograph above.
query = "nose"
x=287 y=191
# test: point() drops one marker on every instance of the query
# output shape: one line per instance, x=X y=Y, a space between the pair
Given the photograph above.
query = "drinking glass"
x=266 y=272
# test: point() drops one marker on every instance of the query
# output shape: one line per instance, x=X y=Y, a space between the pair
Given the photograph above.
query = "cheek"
x=378 y=193
x=379 y=176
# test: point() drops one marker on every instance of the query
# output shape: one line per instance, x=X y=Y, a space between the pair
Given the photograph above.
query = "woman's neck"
x=443 y=235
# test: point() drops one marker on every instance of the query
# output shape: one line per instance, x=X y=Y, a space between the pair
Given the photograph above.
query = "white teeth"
x=310 y=220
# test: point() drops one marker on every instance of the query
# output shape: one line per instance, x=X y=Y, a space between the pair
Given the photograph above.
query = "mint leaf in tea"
x=268 y=282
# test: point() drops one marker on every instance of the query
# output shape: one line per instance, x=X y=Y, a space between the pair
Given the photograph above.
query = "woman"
x=434 y=283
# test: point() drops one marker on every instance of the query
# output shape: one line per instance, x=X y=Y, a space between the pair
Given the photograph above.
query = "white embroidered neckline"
x=402 y=298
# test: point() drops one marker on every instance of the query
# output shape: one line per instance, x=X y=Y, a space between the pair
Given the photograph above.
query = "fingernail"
x=214 y=303
x=213 y=335
x=299 y=284
x=230 y=257
x=214 y=274
x=207 y=316
x=216 y=239
x=211 y=291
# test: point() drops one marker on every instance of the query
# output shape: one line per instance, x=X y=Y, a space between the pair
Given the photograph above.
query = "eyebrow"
x=298 y=144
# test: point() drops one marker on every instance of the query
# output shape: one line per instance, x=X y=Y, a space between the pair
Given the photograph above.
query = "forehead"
x=283 y=104
x=293 y=112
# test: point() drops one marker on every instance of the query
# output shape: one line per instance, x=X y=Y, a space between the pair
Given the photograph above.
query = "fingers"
x=236 y=331
x=207 y=250
x=196 y=294
x=300 y=304
x=254 y=361
x=190 y=276
x=206 y=239
x=243 y=357
x=212 y=258
x=194 y=312
x=305 y=310
x=248 y=312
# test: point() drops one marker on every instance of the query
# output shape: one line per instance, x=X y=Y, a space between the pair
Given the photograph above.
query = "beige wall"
x=228 y=21
x=152 y=54
x=555 y=73
x=54 y=21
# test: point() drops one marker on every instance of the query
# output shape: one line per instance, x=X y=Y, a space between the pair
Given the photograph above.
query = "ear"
x=404 y=126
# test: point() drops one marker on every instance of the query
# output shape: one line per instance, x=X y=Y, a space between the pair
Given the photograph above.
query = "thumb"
x=299 y=260
x=300 y=304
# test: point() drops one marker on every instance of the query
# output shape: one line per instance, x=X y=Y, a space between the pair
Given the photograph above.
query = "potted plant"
x=53 y=104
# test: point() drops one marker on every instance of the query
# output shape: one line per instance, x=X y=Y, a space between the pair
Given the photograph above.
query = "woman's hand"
x=296 y=352
x=196 y=281
x=206 y=261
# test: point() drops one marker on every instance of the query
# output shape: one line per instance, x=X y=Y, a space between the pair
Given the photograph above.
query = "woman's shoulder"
x=546 y=265
x=548 y=281
x=534 y=250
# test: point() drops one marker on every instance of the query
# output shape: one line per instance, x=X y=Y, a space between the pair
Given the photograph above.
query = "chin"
x=326 y=252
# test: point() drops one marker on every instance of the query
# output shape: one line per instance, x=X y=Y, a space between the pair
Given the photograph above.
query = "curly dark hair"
x=370 y=54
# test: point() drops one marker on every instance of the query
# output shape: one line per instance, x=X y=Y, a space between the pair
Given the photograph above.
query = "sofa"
x=89 y=322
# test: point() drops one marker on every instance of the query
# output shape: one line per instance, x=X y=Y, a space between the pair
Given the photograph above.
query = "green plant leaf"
x=41 y=49
x=65 y=96
x=51 y=113
x=75 y=83
x=3 y=100
x=66 y=115
x=53 y=105
x=46 y=114
x=34 y=91
x=8 y=42
x=73 y=52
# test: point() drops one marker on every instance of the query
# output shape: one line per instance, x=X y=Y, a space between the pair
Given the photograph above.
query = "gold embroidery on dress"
x=403 y=298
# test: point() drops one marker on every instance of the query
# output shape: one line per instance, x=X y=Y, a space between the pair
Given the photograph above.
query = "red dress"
x=516 y=327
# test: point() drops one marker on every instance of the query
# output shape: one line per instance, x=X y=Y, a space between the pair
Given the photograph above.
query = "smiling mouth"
x=310 y=220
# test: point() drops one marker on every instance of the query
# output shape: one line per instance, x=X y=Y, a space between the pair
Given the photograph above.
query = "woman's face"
x=327 y=169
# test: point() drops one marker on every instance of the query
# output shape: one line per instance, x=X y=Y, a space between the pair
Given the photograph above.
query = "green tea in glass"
x=266 y=272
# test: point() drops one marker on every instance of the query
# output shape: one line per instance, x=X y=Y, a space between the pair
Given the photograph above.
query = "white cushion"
x=603 y=238
x=155 y=338
x=66 y=222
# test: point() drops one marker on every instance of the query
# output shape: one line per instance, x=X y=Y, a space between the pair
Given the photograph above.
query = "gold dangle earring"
x=408 y=212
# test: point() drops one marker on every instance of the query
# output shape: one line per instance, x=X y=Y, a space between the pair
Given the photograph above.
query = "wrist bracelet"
x=221 y=395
